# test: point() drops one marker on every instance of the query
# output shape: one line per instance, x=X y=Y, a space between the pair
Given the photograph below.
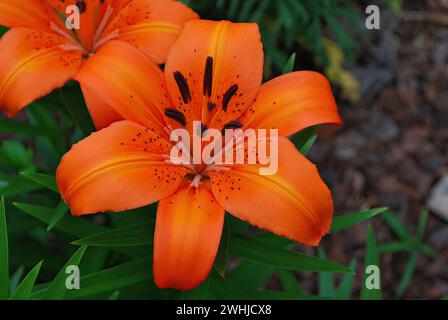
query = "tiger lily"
x=213 y=74
x=40 y=54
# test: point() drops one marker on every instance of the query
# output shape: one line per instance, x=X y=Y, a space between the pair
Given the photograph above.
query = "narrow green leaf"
x=113 y=278
x=308 y=145
x=223 y=250
x=345 y=221
x=134 y=235
x=23 y=290
x=256 y=251
x=75 y=226
x=289 y=283
x=224 y=289
x=407 y=275
x=59 y=213
x=114 y=296
x=44 y=180
x=371 y=259
x=14 y=280
x=345 y=289
x=395 y=224
x=289 y=67
x=326 y=280
x=422 y=223
x=304 y=139
x=57 y=290
x=4 y=255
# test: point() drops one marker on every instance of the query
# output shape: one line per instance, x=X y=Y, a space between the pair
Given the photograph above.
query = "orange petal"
x=19 y=13
x=152 y=25
x=294 y=202
x=102 y=114
x=186 y=239
x=33 y=64
x=124 y=78
x=118 y=168
x=293 y=102
x=218 y=65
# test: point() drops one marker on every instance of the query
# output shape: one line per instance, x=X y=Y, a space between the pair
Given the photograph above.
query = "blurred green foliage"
x=290 y=25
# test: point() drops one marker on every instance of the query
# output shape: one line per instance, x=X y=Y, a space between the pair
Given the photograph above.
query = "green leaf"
x=114 y=296
x=57 y=290
x=289 y=282
x=289 y=67
x=201 y=292
x=23 y=290
x=4 y=255
x=75 y=106
x=44 y=180
x=76 y=226
x=345 y=289
x=305 y=139
x=224 y=289
x=395 y=224
x=371 y=258
x=345 y=221
x=113 y=278
x=223 y=250
x=134 y=235
x=422 y=223
x=250 y=276
x=60 y=212
x=326 y=280
x=407 y=275
x=16 y=276
x=256 y=251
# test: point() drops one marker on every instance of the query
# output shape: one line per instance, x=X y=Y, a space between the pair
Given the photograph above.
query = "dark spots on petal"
x=176 y=115
x=228 y=96
x=182 y=84
x=208 y=77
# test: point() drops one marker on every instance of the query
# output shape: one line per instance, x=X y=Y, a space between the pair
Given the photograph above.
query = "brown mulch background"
x=394 y=144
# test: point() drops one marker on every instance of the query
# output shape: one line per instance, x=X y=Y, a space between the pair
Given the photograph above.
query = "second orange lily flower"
x=212 y=75
x=39 y=53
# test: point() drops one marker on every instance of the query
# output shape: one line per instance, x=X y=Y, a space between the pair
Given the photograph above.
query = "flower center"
x=99 y=38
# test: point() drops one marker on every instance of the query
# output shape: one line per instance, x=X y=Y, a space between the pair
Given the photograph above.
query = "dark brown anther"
x=183 y=86
x=232 y=125
x=82 y=6
x=208 y=77
x=211 y=106
x=176 y=115
x=228 y=95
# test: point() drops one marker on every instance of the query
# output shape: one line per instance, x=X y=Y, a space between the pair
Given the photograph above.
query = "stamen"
x=183 y=86
x=208 y=77
x=114 y=34
x=73 y=47
x=196 y=181
x=215 y=168
x=103 y=23
x=228 y=95
x=62 y=32
x=211 y=106
x=176 y=115
x=82 y=6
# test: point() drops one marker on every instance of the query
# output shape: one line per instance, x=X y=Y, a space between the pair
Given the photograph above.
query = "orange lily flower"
x=40 y=54
x=213 y=74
